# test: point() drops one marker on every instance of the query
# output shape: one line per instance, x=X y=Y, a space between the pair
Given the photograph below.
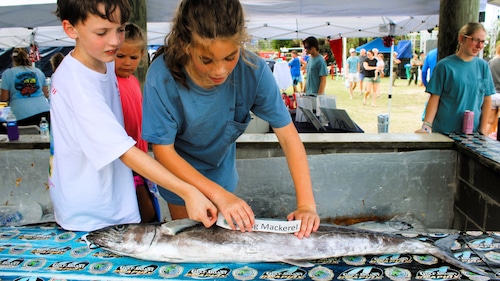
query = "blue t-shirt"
x=429 y=65
x=352 y=63
x=294 y=65
x=25 y=84
x=316 y=67
x=461 y=86
x=204 y=124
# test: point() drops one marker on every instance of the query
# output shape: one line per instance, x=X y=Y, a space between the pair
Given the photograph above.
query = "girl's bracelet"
x=426 y=128
x=428 y=124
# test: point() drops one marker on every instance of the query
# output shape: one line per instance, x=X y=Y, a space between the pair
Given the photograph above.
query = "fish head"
x=126 y=239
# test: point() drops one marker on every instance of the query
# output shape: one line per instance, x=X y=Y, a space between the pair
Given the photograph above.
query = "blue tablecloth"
x=50 y=253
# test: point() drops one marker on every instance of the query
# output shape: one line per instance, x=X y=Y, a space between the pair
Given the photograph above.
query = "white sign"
x=264 y=225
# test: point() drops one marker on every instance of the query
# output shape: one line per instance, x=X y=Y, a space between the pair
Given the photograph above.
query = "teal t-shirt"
x=352 y=63
x=316 y=67
x=461 y=86
x=204 y=124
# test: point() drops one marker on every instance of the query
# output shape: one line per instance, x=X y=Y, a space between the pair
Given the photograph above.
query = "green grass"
x=404 y=108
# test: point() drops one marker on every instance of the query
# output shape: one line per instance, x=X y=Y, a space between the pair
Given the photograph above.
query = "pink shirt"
x=131 y=98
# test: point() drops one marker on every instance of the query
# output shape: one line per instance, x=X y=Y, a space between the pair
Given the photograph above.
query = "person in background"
x=422 y=57
x=460 y=82
x=372 y=81
x=428 y=65
x=380 y=70
x=415 y=63
x=25 y=88
x=331 y=68
x=303 y=67
x=494 y=64
x=55 y=60
x=362 y=71
x=380 y=66
x=294 y=65
x=395 y=68
x=427 y=68
x=316 y=68
x=378 y=73
x=90 y=177
x=128 y=58
x=197 y=101
x=352 y=71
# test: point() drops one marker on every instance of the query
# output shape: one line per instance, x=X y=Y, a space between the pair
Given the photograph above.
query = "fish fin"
x=443 y=252
x=176 y=226
x=300 y=263
x=446 y=242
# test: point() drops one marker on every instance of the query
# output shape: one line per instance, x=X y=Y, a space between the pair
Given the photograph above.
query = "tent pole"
x=390 y=80
x=344 y=58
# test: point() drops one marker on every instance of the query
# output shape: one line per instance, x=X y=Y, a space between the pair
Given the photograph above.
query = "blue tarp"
x=403 y=48
x=376 y=43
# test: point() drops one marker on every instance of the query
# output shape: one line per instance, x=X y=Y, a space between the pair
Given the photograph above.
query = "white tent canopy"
x=266 y=19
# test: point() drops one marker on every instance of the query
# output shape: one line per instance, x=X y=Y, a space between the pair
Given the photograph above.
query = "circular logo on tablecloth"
x=244 y=273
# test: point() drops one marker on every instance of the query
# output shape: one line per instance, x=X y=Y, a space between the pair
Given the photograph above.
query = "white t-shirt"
x=89 y=185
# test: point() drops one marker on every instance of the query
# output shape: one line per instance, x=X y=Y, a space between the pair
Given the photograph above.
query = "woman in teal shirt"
x=460 y=82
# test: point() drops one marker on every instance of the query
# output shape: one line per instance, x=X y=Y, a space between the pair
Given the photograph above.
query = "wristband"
x=428 y=124
x=426 y=128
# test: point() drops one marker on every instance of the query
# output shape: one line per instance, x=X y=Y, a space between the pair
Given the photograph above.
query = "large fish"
x=185 y=241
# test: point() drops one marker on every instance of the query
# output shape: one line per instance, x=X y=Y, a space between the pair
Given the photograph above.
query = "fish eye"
x=121 y=227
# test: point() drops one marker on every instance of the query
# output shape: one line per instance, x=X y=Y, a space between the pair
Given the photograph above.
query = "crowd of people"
x=450 y=94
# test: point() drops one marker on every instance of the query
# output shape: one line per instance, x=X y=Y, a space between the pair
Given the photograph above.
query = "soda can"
x=498 y=129
x=468 y=124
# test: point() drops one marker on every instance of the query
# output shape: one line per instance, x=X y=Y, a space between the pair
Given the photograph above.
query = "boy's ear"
x=69 y=29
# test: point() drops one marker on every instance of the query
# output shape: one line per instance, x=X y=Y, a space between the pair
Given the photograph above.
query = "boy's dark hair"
x=311 y=42
x=76 y=11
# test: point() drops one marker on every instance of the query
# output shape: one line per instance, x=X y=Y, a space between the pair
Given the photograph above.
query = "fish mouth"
x=120 y=238
x=107 y=237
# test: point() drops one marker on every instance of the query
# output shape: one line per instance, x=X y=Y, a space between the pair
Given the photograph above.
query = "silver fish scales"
x=185 y=241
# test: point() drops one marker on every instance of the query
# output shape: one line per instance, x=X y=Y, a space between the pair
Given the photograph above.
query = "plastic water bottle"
x=12 y=129
x=44 y=129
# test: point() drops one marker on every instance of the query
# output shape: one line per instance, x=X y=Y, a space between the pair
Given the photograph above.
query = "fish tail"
x=442 y=251
x=449 y=258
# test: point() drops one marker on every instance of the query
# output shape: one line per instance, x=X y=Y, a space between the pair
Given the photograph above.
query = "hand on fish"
x=236 y=212
x=201 y=209
x=309 y=221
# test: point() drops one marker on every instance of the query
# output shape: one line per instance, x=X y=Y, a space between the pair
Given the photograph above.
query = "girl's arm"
x=430 y=114
x=485 y=115
x=299 y=169
x=232 y=207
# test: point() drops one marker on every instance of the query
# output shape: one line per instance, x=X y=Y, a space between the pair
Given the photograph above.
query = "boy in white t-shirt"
x=90 y=178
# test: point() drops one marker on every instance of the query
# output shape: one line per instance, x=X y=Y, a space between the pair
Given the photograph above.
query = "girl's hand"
x=309 y=221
